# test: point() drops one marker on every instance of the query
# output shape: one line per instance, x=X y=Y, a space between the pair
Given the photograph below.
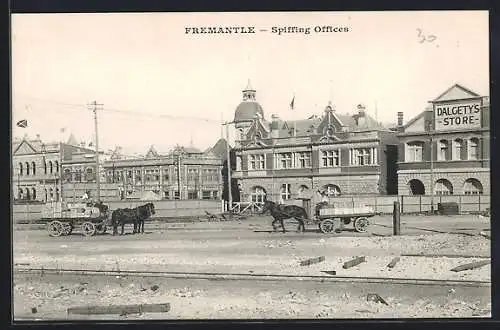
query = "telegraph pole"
x=94 y=106
x=229 y=186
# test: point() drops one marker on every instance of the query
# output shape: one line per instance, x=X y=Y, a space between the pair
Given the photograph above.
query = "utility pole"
x=431 y=140
x=94 y=107
x=229 y=186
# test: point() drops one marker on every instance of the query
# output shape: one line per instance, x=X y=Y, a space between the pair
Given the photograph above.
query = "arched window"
x=56 y=165
x=473 y=148
x=414 y=151
x=27 y=190
x=51 y=168
x=20 y=168
x=51 y=194
x=20 y=193
x=45 y=166
x=33 y=193
x=258 y=194
x=443 y=187
x=46 y=195
x=457 y=149
x=57 y=195
x=27 y=168
x=443 y=150
x=33 y=165
x=473 y=187
x=331 y=190
x=416 y=187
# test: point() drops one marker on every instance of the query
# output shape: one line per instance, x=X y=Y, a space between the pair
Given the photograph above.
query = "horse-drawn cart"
x=331 y=219
x=90 y=220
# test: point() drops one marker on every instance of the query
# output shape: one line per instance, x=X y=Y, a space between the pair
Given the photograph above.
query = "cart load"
x=332 y=218
x=91 y=218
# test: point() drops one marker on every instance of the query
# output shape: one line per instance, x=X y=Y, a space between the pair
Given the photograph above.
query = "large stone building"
x=338 y=154
x=182 y=173
x=37 y=167
x=445 y=149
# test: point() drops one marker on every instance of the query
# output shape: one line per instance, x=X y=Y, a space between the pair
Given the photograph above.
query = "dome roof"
x=247 y=110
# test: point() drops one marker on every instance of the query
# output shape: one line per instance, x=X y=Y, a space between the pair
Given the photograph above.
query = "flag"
x=292 y=104
x=22 y=123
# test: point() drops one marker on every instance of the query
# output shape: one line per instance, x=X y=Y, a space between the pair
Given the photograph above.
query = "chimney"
x=400 y=118
x=274 y=126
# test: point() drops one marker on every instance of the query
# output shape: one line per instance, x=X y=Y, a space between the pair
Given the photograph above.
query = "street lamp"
x=229 y=186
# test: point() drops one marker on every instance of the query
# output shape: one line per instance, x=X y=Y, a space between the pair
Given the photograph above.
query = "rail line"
x=253 y=276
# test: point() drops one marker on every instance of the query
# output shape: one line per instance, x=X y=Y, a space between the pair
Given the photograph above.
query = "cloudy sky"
x=161 y=86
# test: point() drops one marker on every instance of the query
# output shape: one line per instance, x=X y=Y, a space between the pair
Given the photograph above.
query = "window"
x=457 y=149
x=442 y=150
x=177 y=195
x=215 y=194
x=27 y=169
x=443 y=187
x=129 y=175
x=285 y=160
x=304 y=159
x=44 y=166
x=119 y=176
x=51 y=167
x=258 y=195
x=28 y=194
x=51 y=194
x=473 y=187
x=67 y=175
x=166 y=177
x=56 y=165
x=414 y=151
x=156 y=175
x=303 y=191
x=33 y=193
x=362 y=156
x=238 y=163
x=192 y=174
x=34 y=168
x=330 y=158
x=166 y=194
x=192 y=195
x=20 y=169
x=331 y=190
x=474 y=149
x=256 y=162
x=57 y=194
x=285 y=191
x=89 y=174
x=78 y=175
x=205 y=194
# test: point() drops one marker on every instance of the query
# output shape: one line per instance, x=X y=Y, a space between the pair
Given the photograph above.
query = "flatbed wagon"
x=88 y=219
x=332 y=219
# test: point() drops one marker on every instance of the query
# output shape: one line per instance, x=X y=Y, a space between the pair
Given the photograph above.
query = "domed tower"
x=246 y=111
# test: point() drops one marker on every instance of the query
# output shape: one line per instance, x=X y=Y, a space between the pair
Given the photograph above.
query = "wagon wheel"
x=55 y=228
x=328 y=226
x=101 y=229
x=67 y=229
x=360 y=224
x=88 y=229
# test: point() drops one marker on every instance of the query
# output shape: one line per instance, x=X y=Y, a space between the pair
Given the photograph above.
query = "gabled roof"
x=456 y=92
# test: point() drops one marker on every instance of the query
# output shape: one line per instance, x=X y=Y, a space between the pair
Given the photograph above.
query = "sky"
x=160 y=86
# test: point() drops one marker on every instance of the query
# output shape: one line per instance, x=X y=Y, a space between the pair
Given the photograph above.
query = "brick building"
x=182 y=173
x=339 y=154
x=445 y=149
x=37 y=167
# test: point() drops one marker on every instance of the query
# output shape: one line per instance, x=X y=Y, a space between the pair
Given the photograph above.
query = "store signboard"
x=457 y=115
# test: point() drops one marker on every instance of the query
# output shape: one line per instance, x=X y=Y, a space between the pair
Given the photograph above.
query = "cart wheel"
x=360 y=224
x=88 y=229
x=328 y=226
x=55 y=228
x=101 y=229
x=67 y=229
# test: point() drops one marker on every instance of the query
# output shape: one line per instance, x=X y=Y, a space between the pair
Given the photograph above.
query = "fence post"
x=420 y=204
x=459 y=204
x=396 y=219
x=479 y=202
x=402 y=204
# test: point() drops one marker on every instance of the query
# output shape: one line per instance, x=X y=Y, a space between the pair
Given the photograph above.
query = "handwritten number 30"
x=423 y=38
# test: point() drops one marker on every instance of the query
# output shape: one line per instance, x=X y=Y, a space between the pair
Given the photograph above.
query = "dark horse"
x=143 y=213
x=281 y=212
x=135 y=216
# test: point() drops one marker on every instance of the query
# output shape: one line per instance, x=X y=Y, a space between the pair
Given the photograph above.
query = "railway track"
x=251 y=277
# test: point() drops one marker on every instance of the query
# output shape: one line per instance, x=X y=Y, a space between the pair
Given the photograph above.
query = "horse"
x=122 y=217
x=144 y=212
x=280 y=212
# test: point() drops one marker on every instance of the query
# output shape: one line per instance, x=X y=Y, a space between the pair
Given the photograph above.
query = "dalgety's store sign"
x=457 y=115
